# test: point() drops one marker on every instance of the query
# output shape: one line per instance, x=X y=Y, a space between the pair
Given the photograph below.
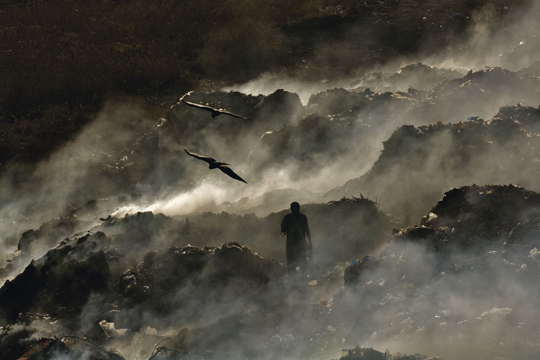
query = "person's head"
x=295 y=207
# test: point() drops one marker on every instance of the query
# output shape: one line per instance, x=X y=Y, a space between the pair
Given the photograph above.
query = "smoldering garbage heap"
x=344 y=126
x=83 y=284
x=69 y=279
x=113 y=306
x=465 y=279
x=360 y=353
x=358 y=222
x=439 y=156
x=98 y=291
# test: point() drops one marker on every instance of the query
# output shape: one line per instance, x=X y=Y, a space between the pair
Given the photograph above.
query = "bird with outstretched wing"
x=214 y=111
x=213 y=164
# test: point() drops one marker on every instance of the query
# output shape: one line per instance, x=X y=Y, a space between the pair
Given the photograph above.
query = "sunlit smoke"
x=266 y=84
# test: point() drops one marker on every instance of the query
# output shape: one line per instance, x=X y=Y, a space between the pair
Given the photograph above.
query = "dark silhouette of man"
x=295 y=226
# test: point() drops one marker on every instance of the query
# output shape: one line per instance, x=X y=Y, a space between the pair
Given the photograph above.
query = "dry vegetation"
x=61 y=59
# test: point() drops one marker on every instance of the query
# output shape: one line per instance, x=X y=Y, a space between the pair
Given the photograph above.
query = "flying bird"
x=214 y=111
x=213 y=164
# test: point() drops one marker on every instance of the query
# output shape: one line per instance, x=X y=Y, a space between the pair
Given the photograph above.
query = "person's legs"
x=303 y=264
x=296 y=256
x=292 y=263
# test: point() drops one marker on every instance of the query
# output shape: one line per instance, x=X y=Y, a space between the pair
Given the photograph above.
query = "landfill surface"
x=420 y=183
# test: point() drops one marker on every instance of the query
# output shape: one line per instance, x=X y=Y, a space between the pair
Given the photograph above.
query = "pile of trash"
x=489 y=219
x=59 y=283
x=347 y=126
x=193 y=286
x=132 y=282
x=337 y=127
x=161 y=281
x=83 y=285
x=359 y=353
x=500 y=150
x=343 y=230
x=466 y=277
x=418 y=76
x=488 y=213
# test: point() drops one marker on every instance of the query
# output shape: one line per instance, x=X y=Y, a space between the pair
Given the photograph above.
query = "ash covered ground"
x=419 y=179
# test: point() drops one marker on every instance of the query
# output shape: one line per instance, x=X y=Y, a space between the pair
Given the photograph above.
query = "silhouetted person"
x=295 y=226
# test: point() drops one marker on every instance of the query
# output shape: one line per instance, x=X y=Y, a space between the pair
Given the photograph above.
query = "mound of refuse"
x=201 y=282
x=195 y=278
x=434 y=157
x=84 y=285
x=465 y=277
x=417 y=76
x=276 y=130
x=60 y=281
x=488 y=213
x=129 y=283
x=342 y=230
x=359 y=353
x=338 y=131
x=66 y=276
x=344 y=127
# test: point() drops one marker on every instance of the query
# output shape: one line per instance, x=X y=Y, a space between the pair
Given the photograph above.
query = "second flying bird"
x=213 y=164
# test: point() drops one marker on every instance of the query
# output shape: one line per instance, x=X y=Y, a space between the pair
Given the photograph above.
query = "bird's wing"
x=227 y=170
x=215 y=111
x=226 y=112
x=208 y=159
x=200 y=106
